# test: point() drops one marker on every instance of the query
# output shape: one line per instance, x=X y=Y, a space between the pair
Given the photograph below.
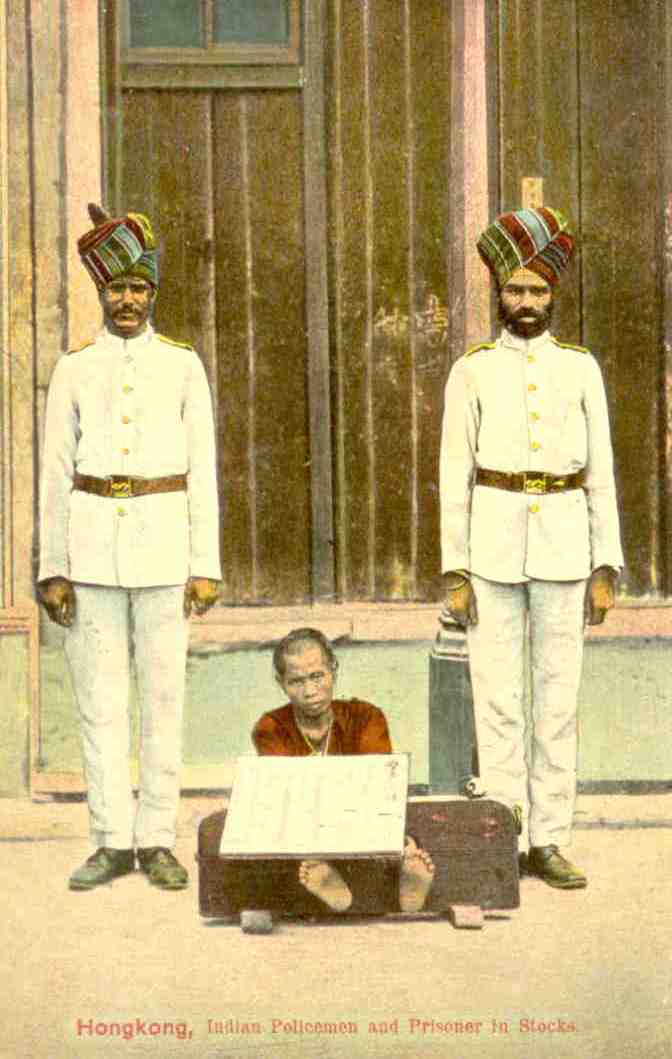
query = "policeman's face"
x=127 y=303
x=526 y=304
x=308 y=681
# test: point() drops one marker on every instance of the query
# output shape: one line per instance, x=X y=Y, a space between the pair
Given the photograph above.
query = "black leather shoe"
x=101 y=867
x=162 y=868
x=548 y=864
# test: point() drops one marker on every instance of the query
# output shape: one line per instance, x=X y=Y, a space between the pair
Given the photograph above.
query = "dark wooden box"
x=473 y=844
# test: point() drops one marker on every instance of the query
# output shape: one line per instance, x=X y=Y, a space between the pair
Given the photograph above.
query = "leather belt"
x=122 y=487
x=530 y=481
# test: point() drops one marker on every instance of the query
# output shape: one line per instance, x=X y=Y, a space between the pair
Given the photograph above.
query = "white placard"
x=340 y=806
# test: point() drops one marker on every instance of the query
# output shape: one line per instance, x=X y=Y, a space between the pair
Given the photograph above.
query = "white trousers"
x=111 y=626
x=550 y=615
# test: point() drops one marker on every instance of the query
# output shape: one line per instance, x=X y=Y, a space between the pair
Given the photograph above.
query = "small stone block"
x=256 y=921
x=466 y=917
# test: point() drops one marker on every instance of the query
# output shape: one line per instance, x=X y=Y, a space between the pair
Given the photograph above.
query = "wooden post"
x=471 y=199
x=83 y=165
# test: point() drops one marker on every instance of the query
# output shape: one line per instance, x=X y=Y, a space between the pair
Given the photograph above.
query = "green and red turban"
x=536 y=239
x=119 y=247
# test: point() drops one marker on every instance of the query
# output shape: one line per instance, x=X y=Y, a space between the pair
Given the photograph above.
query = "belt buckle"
x=121 y=488
x=534 y=484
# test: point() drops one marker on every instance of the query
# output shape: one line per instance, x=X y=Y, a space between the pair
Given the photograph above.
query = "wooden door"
x=303 y=210
x=212 y=151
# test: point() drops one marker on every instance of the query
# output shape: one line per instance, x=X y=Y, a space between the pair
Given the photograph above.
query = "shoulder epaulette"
x=480 y=346
x=172 y=342
x=78 y=349
x=569 y=345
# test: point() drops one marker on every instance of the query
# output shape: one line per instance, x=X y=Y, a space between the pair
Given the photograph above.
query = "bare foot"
x=325 y=882
x=417 y=875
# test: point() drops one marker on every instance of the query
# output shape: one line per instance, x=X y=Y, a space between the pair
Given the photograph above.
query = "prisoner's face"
x=526 y=304
x=308 y=680
x=127 y=303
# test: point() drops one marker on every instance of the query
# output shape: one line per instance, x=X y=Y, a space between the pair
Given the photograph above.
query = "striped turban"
x=535 y=239
x=122 y=247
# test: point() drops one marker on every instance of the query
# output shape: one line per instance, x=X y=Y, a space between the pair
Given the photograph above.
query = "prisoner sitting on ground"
x=313 y=722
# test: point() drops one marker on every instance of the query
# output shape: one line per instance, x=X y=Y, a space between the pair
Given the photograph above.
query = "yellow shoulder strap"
x=78 y=348
x=172 y=342
x=481 y=345
x=569 y=345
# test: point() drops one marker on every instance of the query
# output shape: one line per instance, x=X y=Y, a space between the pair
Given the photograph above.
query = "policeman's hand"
x=58 y=597
x=199 y=594
x=600 y=594
x=460 y=604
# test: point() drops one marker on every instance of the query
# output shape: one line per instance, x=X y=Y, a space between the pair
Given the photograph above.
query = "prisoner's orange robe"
x=358 y=727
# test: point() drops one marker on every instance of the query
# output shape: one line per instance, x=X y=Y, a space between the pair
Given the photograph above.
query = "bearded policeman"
x=129 y=546
x=530 y=535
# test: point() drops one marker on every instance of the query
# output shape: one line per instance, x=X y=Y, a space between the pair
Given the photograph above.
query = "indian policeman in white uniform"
x=530 y=536
x=129 y=546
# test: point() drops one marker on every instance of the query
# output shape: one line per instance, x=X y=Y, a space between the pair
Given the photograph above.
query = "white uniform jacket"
x=527 y=405
x=140 y=407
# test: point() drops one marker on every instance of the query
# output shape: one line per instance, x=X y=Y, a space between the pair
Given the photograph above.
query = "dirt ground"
x=128 y=970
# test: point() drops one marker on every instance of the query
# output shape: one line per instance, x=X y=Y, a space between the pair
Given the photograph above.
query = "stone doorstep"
x=24 y=820
x=237 y=627
x=249 y=628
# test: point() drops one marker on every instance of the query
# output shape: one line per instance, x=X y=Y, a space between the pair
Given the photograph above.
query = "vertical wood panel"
x=433 y=289
x=112 y=126
x=411 y=171
x=539 y=131
x=235 y=349
x=317 y=308
x=475 y=176
x=391 y=381
x=348 y=142
x=281 y=445
x=620 y=262
x=334 y=71
x=456 y=240
x=665 y=162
